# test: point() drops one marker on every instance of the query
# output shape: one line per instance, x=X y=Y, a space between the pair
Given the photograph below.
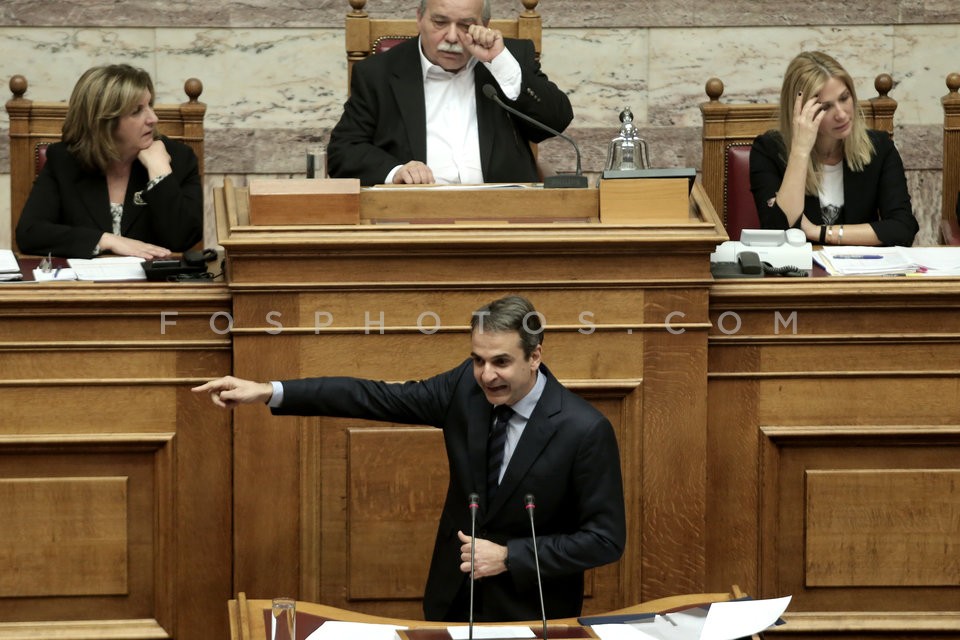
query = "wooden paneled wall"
x=114 y=479
x=834 y=442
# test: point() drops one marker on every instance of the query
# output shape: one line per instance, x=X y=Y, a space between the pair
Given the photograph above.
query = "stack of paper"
x=717 y=621
x=935 y=261
x=864 y=261
x=9 y=267
x=109 y=268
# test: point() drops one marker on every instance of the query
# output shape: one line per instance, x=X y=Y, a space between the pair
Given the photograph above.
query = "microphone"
x=578 y=181
x=474 y=505
x=530 y=506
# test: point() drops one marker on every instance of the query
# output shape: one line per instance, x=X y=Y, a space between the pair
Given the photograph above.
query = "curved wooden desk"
x=248 y=617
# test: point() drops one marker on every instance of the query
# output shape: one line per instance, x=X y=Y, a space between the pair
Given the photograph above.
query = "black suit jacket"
x=384 y=120
x=567 y=458
x=69 y=207
x=877 y=195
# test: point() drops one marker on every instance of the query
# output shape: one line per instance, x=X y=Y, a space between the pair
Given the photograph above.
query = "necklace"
x=833 y=156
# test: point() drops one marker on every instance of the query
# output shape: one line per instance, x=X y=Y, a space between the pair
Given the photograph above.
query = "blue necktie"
x=495 y=445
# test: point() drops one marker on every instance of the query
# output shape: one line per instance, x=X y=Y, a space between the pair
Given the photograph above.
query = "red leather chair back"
x=40 y=157
x=740 y=207
x=385 y=43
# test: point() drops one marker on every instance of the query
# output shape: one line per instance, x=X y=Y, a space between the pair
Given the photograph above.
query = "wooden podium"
x=626 y=308
x=249 y=619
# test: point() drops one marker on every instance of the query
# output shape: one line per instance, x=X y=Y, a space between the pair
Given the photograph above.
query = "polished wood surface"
x=353 y=505
x=35 y=123
x=438 y=205
x=248 y=617
x=833 y=449
x=114 y=478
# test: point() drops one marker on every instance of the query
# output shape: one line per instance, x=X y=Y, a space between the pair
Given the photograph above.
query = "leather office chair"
x=949 y=223
x=728 y=133
x=366 y=36
x=34 y=125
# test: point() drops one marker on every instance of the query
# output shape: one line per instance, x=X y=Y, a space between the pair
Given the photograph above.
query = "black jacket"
x=877 y=195
x=567 y=457
x=384 y=121
x=69 y=208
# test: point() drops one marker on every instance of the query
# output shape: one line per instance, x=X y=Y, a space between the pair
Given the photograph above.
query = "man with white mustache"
x=417 y=113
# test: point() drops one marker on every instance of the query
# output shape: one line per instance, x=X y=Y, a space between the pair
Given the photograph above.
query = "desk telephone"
x=191 y=265
x=763 y=252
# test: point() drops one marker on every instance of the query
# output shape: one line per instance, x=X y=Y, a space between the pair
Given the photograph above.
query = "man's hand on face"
x=483 y=43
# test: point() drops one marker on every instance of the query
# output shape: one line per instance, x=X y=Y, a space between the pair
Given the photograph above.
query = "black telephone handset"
x=191 y=265
x=750 y=264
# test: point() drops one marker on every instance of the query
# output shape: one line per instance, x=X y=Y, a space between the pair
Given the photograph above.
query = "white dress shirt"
x=453 y=142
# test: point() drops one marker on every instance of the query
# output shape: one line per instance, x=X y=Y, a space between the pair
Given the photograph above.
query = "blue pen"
x=56 y=273
x=852 y=257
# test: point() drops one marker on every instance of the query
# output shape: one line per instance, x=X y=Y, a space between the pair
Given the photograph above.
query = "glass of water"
x=283 y=623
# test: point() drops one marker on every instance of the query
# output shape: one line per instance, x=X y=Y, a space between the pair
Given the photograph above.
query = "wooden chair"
x=949 y=224
x=34 y=125
x=366 y=36
x=728 y=132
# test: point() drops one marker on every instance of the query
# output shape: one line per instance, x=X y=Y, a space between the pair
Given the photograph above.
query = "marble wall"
x=274 y=71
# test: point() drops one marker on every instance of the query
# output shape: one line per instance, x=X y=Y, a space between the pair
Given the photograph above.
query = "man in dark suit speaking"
x=510 y=429
x=417 y=113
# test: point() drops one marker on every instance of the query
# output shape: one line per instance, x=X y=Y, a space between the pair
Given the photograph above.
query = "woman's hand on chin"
x=156 y=159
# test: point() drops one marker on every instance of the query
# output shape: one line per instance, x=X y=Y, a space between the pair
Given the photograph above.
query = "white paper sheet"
x=338 y=630
x=462 y=632
x=741 y=618
x=40 y=275
x=108 y=269
x=8 y=262
x=724 y=621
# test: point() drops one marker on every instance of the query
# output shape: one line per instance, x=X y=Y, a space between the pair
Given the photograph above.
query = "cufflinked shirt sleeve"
x=506 y=71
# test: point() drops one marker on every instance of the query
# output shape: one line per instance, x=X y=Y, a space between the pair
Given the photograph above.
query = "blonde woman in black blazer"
x=822 y=171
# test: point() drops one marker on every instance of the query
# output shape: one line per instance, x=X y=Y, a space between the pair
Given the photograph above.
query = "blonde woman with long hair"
x=822 y=170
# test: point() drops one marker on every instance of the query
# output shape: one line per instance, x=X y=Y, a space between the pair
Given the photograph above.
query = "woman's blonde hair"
x=807 y=74
x=100 y=98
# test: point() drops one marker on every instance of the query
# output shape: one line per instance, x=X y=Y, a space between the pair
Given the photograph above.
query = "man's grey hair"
x=509 y=314
x=484 y=14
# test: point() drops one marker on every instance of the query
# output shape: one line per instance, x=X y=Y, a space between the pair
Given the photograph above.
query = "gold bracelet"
x=830 y=234
x=840 y=235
